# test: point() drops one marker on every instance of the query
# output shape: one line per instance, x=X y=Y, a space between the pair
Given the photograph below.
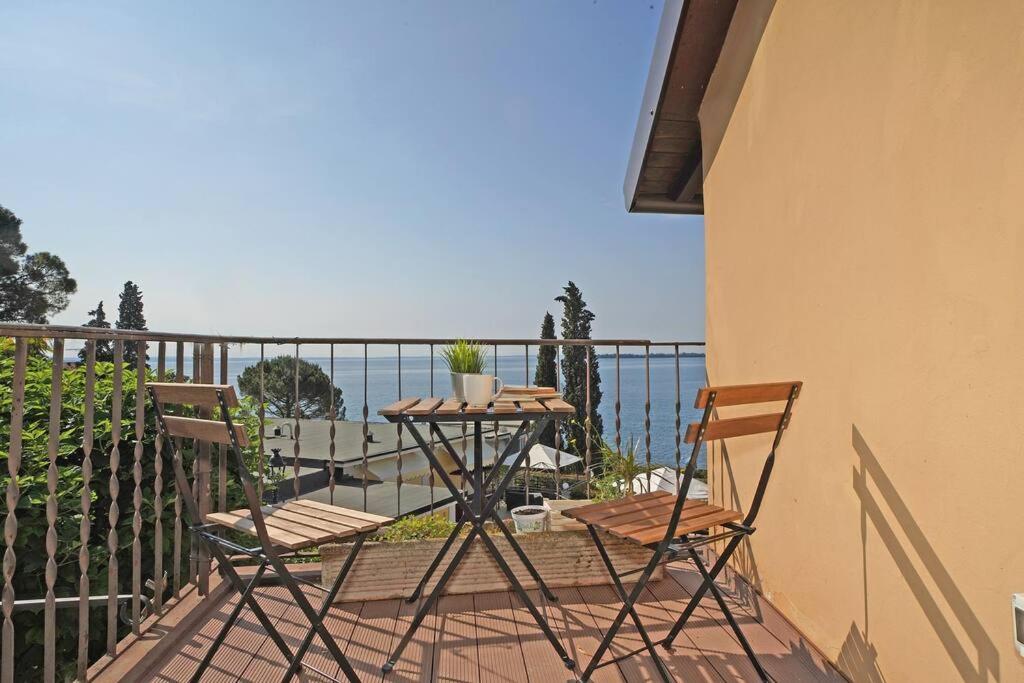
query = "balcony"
x=101 y=583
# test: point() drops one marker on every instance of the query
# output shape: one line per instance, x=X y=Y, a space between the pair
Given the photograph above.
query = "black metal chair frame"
x=266 y=556
x=476 y=515
x=668 y=550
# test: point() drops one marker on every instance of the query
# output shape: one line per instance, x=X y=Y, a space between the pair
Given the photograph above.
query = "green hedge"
x=29 y=546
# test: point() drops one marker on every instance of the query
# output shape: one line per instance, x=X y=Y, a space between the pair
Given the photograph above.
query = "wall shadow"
x=977 y=658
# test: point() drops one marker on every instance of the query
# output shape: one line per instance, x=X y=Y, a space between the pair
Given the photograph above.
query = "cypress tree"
x=547 y=369
x=130 y=317
x=98 y=318
x=576 y=324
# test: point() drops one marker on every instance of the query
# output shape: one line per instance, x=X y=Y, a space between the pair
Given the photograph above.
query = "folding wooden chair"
x=674 y=526
x=287 y=527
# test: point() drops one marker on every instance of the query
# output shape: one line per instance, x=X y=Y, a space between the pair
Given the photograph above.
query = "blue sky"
x=371 y=169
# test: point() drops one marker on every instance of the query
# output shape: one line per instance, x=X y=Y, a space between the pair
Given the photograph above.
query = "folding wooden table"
x=432 y=411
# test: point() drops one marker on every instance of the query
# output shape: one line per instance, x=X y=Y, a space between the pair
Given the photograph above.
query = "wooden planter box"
x=563 y=558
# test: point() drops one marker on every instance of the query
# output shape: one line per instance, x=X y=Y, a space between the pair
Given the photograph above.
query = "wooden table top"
x=452 y=410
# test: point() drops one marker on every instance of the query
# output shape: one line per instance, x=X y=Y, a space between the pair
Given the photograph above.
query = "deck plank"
x=416 y=663
x=542 y=662
x=495 y=630
x=455 y=652
x=235 y=654
x=782 y=651
x=370 y=644
x=492 y=637
x=685 y=663
x=580 y=634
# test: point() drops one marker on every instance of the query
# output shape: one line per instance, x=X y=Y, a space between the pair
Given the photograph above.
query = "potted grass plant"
x=466 y=361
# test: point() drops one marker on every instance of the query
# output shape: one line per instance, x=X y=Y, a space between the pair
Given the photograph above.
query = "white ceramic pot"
x=531 y=518
x=478 y=390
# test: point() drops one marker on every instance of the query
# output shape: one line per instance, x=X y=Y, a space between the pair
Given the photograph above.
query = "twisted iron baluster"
x=296 y=448
x=115 y=489
x=140 y=427
x=647 y=414
x=332 y=448
x=53 y=443
x=85 y=526
x=13 y=495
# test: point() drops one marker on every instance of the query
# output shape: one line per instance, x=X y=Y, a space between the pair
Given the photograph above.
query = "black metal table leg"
x=477 y=514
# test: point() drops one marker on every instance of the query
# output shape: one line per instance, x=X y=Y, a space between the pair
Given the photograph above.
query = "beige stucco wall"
x=865 y=234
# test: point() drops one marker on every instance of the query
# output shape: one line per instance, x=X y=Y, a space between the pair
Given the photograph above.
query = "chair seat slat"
x=280 y=537
x=358 y=514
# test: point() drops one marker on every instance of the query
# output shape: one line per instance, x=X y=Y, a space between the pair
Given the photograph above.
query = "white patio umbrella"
x=664 y=479
x=543 y=458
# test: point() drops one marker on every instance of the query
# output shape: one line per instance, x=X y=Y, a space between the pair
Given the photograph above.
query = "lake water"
x=382 y=388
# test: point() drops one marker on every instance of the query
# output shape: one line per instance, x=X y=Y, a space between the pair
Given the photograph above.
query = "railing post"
x=204 y=472
x=222 y=450
x=13 y=495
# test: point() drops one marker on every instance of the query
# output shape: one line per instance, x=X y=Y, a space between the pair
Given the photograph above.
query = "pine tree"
x=32 y=286
x=576 y=324
x=547 y=370
x=130 y=317
x=98 y=318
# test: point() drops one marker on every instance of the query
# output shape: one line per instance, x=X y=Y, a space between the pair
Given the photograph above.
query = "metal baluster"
x=366 y=423
x=193 y=548
x=678 y=421
x=430 y=467
x=398 y=446
x=140 y=427
x=586 y=421
x=296 y=449
x=526 y=469
x=115 y=489
x=495 y=425
x=53 y=443
x=179 y=377
x=331 y=448
x=558 y=426
x=13 y=494
x=618 y=403
x=260 y=483
x=85 y=525
x=158 y=490
x=647 y=413
x=222 y=449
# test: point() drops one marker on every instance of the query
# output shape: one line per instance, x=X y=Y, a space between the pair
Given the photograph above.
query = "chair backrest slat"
x=743 y=394
x=204 y=430
x=199 y=395
x=735 y=426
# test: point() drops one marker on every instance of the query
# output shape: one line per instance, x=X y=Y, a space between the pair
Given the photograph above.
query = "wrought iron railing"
x=144 y=550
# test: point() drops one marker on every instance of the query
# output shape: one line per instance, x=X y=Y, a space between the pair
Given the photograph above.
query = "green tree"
x=314 y=400
x=98 y=318
x=546 y=374
x=131 y=317
x=32 y=286
x=576 y=324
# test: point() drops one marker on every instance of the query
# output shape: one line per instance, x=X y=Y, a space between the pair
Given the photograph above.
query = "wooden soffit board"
x=665 y=174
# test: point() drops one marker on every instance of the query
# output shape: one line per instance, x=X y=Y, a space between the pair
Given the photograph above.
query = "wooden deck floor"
x=491 y=637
